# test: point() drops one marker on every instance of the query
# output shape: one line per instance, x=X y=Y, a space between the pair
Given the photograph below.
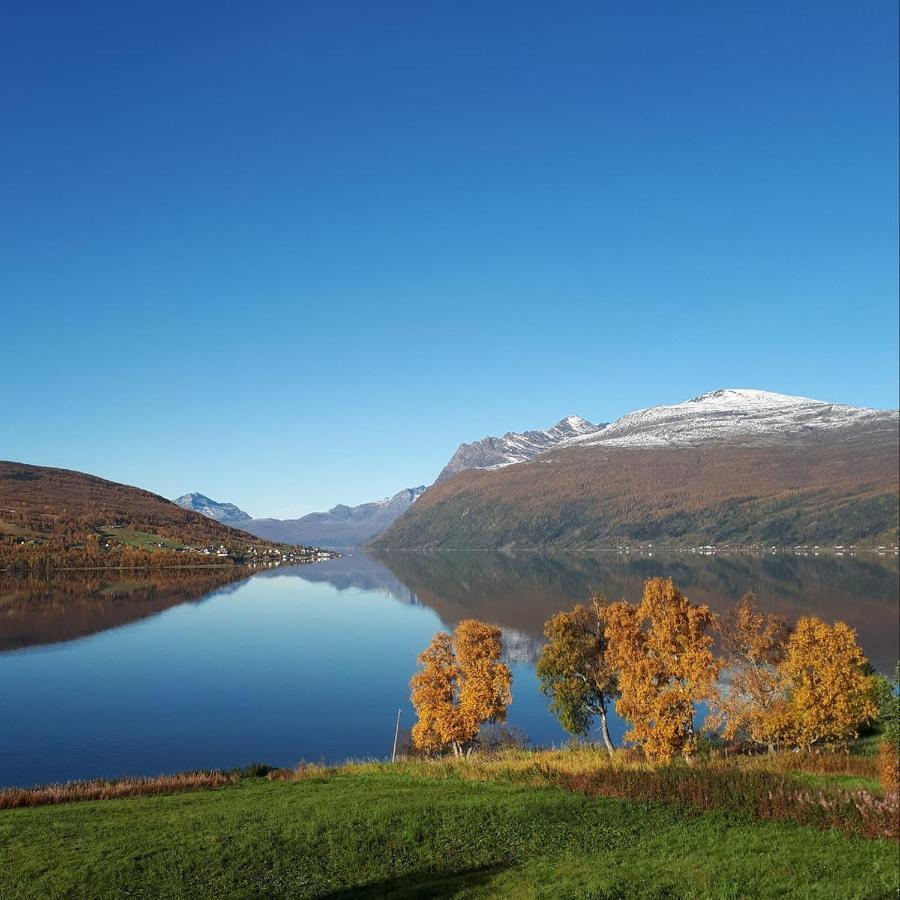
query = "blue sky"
x=291 y=254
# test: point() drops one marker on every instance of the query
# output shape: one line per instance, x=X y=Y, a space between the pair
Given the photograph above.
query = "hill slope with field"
x=57 y=517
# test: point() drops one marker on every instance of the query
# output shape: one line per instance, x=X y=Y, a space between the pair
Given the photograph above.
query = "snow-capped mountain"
x=761 y=469
x=735 y=416
x=514 y=447
x=226 y=513
x=341 y=526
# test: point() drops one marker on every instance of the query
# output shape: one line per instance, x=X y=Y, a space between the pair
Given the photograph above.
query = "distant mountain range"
x=341 y=526
x=738 y=466
x=226 y=513
x=735 y=467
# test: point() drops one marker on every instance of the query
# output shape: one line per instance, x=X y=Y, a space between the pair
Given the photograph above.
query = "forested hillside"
x=52 y=518
x=842 y=490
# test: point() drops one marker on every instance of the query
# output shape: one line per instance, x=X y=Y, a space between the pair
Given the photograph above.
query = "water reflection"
x=71 y=605
x=518 y=591
x=106 y=675
x=522 y=590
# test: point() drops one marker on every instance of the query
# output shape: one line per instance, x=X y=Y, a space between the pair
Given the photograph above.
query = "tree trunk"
x=604 y=730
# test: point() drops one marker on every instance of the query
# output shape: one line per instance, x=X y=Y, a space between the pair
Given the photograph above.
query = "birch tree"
x=575 y=672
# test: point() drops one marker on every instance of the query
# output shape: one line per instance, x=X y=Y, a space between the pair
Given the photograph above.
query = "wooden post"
x=396 y=735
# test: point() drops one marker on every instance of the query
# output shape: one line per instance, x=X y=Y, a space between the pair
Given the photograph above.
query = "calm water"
x=103 y=677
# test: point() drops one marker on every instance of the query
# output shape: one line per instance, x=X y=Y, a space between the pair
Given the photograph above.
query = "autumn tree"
x=434 y=695
x=754 y=647
x=829 y=692
x=661 y=652
x=574 y=670
x=461 y=686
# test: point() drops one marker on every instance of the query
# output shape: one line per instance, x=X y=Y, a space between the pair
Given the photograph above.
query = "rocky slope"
x=513 y=447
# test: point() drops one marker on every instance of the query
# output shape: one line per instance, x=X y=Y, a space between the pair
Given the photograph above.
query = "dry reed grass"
x=889 y=766
x=73 y=791
x=768 y=786
x=803 y=788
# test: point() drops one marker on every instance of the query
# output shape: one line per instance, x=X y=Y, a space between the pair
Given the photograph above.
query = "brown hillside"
x=844 y=491
x=56 y=517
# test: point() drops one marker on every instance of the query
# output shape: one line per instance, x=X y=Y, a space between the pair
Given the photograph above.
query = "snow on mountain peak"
x=577 y=424
x=738 y=397
x=731 y=415
x=515 y=447
x=226 y=513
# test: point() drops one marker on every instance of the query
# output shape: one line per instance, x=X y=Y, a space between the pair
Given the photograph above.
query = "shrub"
x=889 y=766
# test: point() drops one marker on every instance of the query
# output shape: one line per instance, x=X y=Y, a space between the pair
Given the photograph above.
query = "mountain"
x=737 y=417
x=226 y=513
x=342 y=526
x=58 y=518
x=736 y=467
x=513 y=447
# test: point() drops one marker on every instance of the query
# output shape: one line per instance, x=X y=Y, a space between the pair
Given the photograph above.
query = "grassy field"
x=144 y=540
x=377 y=831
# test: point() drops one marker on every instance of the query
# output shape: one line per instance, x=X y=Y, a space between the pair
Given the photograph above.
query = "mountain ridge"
x=732 y=415
x=733 y=466
x=513 y=447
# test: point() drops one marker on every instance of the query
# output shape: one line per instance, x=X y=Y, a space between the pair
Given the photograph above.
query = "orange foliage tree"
x=575 y=671
x=461 y=686
x=829 y=692
x=754 y=647
x=661 y=651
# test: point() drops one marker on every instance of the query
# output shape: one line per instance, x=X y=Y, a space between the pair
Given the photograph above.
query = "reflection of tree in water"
x=522 y=590
x=66 y=606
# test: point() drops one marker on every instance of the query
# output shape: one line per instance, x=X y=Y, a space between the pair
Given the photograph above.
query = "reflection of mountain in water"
x=368 y=574
x=50 y=610
x=518 y=591
x=521 y=591
x=519 y=647
x=354 y=571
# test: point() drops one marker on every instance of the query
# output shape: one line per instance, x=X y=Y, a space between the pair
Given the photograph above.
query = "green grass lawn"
x=381 y=834
x=144 y=540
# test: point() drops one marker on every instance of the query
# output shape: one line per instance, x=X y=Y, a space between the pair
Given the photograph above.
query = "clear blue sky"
x=291 y=254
